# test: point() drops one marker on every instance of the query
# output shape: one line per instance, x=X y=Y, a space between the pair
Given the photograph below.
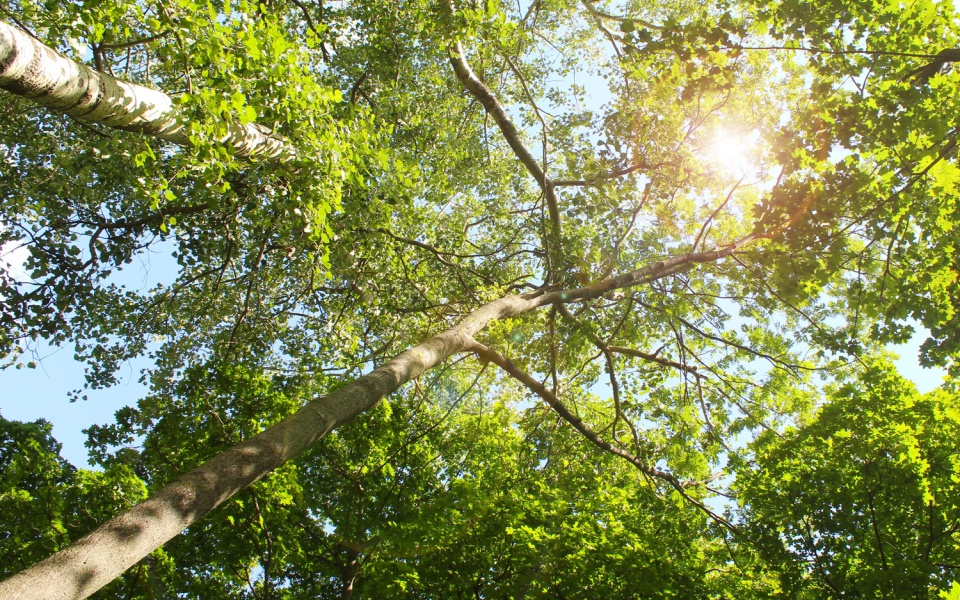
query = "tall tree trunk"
x=31 y=69
x=348 y=575
x=96 y=559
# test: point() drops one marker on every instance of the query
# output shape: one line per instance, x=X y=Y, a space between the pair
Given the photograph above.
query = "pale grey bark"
x=31 y=69
x=95 y=560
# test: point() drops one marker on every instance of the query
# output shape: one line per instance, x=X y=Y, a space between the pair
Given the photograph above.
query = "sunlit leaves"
x=866 y=493
x=405 y=209
x=46 y=503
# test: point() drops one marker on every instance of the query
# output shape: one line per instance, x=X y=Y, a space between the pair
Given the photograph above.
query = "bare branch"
x=653 y=272
x=716 y=212
x=691 y=369
x=132 y=43
x=599 y=15
x=539 y=389
x=600 y=177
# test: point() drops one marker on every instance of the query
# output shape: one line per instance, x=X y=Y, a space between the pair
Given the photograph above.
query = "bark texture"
x=31 y=69
x=101 y=556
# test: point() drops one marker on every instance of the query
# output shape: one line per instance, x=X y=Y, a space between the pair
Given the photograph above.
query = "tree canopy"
x=480 y=299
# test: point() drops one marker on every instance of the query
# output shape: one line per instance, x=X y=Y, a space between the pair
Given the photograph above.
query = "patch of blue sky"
x=44 y=392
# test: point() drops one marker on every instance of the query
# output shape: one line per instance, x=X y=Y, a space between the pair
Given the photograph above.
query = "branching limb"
x=96 y=559
x=132 y=43
x=533 y=103
x=493 y=107
x=691 y=369
x=605 y=348
x=601 y=177
x=791 y=368
x=652 y=272
x=150 y=219
x=553 y=348
x=713 y=215
x=539 y=389
x=615 y=391
x=437 y=253
x=558 y=407
x=600 y=15
x=924 y=73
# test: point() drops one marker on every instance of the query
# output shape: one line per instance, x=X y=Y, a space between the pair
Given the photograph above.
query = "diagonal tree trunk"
x=93 y=561
x=31 y=69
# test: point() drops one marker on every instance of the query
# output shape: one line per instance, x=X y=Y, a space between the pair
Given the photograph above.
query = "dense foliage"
x=781 y=176
x=863 y=500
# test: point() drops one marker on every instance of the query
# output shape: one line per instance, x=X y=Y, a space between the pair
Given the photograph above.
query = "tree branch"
x=539 y=389
x=602 y=15
x=96 y=559
x=132 y=43
x=592 y=181
x=653 y=272
x=493 y=107
x=558 y=407
x=32 y=69
x=691 y=369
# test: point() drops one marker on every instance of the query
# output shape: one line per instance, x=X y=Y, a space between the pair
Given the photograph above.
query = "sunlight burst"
x=734 y=151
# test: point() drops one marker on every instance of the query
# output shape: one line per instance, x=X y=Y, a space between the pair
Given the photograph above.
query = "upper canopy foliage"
x=448 y=155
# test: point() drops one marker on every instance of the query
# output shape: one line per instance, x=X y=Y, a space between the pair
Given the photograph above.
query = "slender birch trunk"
x=31 y=69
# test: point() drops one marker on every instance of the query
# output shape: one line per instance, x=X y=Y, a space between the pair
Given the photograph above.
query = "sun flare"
x=734 y=151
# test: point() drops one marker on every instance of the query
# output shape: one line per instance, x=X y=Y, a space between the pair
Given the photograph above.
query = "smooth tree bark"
x=96 y=559
x=31 y=69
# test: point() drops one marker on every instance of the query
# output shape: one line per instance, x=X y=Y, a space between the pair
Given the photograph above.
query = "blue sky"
x=41 y=393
